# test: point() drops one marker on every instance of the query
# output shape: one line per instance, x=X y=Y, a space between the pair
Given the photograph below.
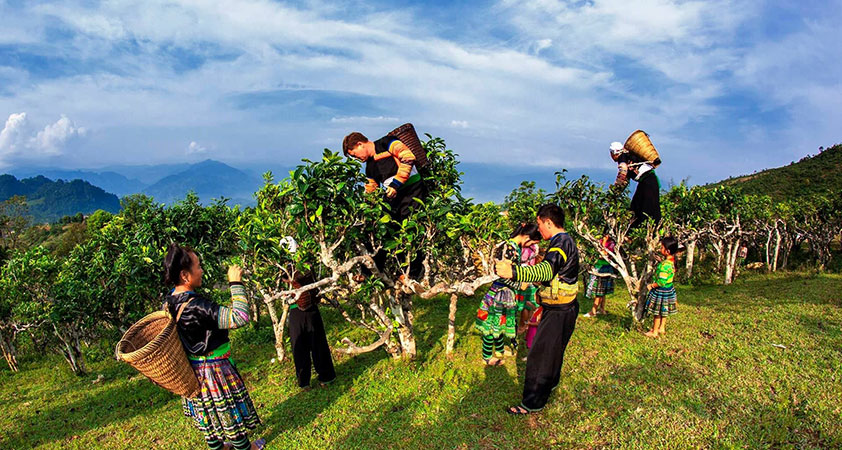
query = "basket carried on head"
x=406 y=134
x=639 y=144
x=153 y=348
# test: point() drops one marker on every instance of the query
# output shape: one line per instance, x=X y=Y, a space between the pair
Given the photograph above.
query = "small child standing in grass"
x=526 y=302
x=601 y=282
x=661 y=301
x=497 y=316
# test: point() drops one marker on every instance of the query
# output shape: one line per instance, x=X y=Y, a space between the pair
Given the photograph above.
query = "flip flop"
x=519 y=411
x=260 y=443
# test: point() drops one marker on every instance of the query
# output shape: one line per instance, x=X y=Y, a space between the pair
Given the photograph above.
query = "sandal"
x=494 y=362
x=519 y=410
x=259 y=444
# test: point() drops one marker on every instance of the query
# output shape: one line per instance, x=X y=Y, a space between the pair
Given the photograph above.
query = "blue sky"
x=723 y=87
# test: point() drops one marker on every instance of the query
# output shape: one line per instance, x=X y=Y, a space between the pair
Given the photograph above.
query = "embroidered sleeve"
x=371 y=186
x=237 y=314
x=622 y=175
x=405 y=159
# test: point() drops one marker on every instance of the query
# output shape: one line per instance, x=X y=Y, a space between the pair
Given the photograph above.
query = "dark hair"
x=553 y=212
x=530 y=229
x=352 y=140
x=671 y=244
x=178 y=259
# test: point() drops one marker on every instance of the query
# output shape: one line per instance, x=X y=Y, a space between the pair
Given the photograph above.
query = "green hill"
x=817 y=174
x=51 y=200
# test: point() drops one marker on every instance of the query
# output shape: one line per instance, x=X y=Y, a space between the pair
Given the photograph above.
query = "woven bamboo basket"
x=639 y=144
x=153 y=348
x=406 y=133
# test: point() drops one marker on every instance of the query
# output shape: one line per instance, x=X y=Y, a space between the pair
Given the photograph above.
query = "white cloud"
x=12 y=136
x=363 y=119
x=18 y=143
x=459 y=123
x=542 y=44
x=51 y=140
x=196 y=149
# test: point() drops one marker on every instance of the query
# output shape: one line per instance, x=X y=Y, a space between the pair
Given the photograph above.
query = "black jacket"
x=198 y=327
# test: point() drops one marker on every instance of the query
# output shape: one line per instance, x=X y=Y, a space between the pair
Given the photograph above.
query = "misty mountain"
x=209 y=179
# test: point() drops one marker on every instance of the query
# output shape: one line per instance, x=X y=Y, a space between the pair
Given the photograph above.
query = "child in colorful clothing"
x=532 y=327
x=601 y=282
x=497 y=315
x=661 y=301
x=223 y=408
x=526 y=302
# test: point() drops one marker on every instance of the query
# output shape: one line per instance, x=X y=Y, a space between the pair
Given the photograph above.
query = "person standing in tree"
x=646 y=201
x=558 y=273
x=391 y=164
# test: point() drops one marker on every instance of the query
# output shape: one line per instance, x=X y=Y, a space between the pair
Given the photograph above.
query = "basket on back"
x=153 y=348
x=406 y=134
x=639 y=144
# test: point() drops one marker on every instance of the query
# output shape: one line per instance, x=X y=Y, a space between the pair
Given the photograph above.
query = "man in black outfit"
x=391 y=164
x=558 y=273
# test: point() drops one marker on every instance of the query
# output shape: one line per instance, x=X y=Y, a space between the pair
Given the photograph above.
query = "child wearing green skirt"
x=662 y=301
x=497 y=316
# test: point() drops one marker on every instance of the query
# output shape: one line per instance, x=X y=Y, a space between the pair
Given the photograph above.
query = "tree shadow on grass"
x=477 y=420
x=303 y=407
x=48 y=422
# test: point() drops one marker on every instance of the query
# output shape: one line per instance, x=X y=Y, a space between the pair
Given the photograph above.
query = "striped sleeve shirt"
x=562 y=260
x=237 y=314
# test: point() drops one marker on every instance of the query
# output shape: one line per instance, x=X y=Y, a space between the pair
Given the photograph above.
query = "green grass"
x=715 y=381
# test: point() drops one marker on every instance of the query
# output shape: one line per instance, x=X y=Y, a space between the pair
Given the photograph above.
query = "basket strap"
x=181 y=310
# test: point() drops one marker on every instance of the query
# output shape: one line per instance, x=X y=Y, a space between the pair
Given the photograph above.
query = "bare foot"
x=494 y=362
x=651 y=334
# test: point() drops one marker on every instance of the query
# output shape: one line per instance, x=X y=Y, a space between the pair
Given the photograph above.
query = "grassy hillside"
x=716 y=380
x=818 y=174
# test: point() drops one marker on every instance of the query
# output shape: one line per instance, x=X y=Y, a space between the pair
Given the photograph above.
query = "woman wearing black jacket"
x=223 y=409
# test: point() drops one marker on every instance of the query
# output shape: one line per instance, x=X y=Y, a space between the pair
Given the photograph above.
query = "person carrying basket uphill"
x=223 y=408
x=390 y=163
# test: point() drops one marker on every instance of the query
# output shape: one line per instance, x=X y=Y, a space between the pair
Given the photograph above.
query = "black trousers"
x=400 y=208
x=646 y=201
x=307 y=335
x=543 y=365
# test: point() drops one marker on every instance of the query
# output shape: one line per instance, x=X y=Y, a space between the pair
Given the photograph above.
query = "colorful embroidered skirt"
x=662 y=302
x=497 y=314
x=600 y=286
x=223 y=411
x=526 y=298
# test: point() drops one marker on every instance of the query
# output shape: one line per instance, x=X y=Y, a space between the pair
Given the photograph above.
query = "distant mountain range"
x=166 y=183
x=51 y=200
